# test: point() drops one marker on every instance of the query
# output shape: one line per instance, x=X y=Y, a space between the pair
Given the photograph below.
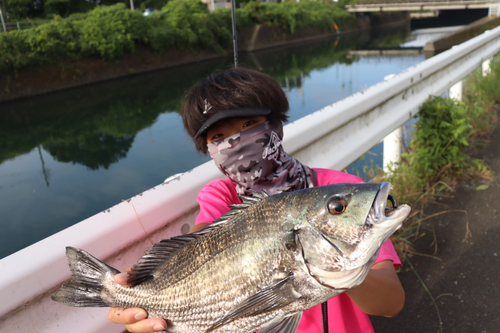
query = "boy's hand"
x=134 y=319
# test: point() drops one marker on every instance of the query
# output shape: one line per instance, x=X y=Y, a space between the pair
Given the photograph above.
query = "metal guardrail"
x=18 y=26
x=21 y=25
x=341 y=132
x=332 y=137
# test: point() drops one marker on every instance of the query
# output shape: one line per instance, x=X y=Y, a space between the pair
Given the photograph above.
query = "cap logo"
x=207 y=106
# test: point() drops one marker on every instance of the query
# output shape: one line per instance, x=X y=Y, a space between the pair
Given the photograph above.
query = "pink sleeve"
x=387 y=252
x=327 y=177
x=214 y=200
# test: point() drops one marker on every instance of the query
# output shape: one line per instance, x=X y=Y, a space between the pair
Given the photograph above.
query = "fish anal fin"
x=284 y=325
x=268 y=299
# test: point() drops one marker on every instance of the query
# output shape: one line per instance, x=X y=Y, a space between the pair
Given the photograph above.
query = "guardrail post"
x=392 y=148
x=486 y=67
x=456 y=91
x=392 y=143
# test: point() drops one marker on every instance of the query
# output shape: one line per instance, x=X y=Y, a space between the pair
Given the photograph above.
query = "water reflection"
x=68 y=155
x=95 y=126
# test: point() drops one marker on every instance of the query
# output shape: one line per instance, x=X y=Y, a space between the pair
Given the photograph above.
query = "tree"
x=19 y=9
x=57 y=6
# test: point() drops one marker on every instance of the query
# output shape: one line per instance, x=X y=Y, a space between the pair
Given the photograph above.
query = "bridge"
x=430 y=5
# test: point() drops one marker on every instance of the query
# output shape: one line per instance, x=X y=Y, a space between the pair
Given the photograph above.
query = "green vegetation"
x=110 y=32
x=292 y=15
x=437 y=157
x=366 y=2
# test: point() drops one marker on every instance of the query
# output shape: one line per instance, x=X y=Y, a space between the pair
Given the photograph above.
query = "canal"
x=68 y=155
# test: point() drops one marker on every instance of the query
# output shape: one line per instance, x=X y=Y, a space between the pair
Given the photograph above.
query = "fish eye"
x=337 y=205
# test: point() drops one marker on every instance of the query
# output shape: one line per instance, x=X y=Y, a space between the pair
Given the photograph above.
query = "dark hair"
x=235 y=88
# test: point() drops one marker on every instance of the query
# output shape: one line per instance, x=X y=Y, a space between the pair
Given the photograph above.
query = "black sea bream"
x=257 y=267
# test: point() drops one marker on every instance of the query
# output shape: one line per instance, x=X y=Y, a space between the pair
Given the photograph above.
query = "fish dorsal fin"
x=163 y=250
x=236 y=209
x=284 y=325
x=155 y=256
x=266 y=300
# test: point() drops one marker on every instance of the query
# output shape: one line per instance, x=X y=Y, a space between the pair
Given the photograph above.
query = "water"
x=69 y=155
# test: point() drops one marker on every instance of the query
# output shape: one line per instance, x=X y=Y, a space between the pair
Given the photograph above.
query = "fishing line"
x=140 y=222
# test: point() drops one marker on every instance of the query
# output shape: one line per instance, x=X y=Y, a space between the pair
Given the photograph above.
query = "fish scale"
x=258 y=267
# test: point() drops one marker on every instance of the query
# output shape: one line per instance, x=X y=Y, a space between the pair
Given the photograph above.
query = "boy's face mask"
x=255 y=160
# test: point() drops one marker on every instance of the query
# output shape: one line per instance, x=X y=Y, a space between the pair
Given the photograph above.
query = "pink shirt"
x=343 y=315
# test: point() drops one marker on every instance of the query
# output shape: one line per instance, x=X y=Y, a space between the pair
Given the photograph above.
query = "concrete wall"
x=470 y=31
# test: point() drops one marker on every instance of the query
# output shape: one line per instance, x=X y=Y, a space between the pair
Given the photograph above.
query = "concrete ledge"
x=470 y=31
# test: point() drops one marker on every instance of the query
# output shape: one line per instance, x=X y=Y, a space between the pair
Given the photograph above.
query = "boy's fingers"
x=147 y=325
x=126 y=316
x=121 y=278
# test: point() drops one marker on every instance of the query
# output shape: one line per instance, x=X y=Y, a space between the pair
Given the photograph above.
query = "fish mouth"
x=380 y=212
x=390 y=210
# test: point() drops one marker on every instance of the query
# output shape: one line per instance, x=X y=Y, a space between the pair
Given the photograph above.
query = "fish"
x=256 y=268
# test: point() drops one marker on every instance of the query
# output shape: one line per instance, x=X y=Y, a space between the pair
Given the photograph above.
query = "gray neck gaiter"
x=255 y=160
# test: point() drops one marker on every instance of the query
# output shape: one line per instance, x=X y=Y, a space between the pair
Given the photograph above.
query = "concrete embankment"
x=470 y=31
x=54 y=77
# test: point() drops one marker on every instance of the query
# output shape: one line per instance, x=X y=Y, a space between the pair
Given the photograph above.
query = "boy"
x=237 y=115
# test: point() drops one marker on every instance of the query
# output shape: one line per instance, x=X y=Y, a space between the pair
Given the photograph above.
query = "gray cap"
x=224 y=114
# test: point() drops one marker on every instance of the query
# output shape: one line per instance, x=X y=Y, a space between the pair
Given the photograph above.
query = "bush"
x=184 y=24
x=106 y=32
x=292 y=15
x=440 y=138
x=481 y=94
x=109 y=32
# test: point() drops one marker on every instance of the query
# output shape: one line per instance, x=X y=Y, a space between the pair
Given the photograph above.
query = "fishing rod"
x=235 y=41
x=3 y=21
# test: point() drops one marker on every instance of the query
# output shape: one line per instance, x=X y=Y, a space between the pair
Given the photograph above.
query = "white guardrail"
x=332 y=137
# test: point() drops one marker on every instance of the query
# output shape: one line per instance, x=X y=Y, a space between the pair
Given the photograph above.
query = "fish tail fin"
x=88 y=278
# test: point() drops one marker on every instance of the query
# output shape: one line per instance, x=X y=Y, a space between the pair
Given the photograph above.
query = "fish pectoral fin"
x=284 y=325
x=268 y=299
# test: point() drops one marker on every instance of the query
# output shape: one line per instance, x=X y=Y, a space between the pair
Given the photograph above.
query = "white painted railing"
x=333 y=137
